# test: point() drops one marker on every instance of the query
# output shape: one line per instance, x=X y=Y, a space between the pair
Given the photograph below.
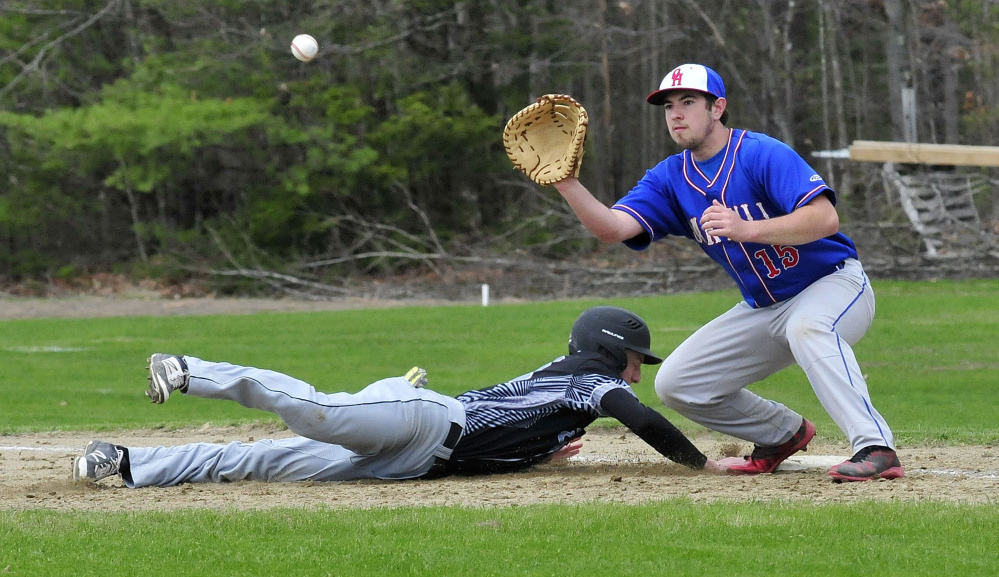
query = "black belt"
x=452 y=436
x=439 y=468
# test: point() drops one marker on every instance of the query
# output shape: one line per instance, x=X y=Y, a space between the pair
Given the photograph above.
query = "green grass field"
x=675 y=537
x=931 y=357
x=931 y=362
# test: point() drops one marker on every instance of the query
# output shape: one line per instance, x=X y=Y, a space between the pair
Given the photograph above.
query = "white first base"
x=793 y=463
x=801 y=463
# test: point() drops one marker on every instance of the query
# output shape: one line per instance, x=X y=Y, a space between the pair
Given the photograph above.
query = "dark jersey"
x=525 y=421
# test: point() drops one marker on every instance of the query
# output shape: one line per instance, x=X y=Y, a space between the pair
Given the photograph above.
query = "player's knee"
x=684 y=396
x=804 y=327
x=668 y=389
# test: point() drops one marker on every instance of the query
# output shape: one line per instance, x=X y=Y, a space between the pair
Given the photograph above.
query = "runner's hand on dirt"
x=567 y=451
x=722 y=465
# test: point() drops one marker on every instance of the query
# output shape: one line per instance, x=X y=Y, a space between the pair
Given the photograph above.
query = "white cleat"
x=167 y=373
x=100 y=460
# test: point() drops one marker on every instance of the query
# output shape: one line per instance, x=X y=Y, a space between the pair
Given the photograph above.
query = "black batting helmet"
x=610 y=331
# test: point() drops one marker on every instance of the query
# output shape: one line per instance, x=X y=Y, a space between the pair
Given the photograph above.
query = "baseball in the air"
x=304 y=47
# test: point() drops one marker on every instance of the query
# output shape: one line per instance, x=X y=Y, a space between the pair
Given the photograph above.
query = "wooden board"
x=916 y=153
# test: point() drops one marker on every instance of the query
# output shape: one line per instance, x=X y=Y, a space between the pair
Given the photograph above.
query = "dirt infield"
x=614 y=466
x=144 y=304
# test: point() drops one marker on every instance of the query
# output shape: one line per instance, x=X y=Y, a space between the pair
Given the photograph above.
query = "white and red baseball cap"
x=689 y=77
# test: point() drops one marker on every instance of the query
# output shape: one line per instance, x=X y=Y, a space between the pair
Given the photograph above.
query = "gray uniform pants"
x=705 y=378
x=388 y=430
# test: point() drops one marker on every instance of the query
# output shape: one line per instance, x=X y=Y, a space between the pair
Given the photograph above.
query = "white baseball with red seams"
x=304 y=47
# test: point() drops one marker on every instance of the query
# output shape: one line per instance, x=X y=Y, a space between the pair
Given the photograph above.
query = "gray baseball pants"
x=705 y=378
x=388 y=430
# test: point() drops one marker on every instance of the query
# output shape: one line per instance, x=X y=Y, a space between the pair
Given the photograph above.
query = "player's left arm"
x=808 y=223
x=653 y=428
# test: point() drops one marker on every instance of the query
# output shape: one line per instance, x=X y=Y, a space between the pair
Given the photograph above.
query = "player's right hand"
x=722 y=465
x=567 y=451
x=417 y=377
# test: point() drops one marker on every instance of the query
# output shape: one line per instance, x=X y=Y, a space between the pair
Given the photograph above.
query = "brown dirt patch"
x=614 y=466
x=141 y=304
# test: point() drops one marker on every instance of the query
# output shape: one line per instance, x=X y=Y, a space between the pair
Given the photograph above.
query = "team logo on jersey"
x=677 y=77
x=814 y=178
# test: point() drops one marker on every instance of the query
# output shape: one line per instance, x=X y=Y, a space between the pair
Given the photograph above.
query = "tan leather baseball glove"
x=545 y=140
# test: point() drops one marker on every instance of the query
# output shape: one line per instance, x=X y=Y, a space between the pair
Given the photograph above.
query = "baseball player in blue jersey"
x=761 y=212
x=398 y=429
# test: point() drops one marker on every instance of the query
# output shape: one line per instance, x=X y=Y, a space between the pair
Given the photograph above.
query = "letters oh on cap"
x=689 y=77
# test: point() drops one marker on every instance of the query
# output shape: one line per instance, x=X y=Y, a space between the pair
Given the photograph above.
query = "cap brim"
x=648 y=357
x=657 y=98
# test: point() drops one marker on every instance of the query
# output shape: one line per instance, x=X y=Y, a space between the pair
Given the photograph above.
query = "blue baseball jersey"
x=758 y=176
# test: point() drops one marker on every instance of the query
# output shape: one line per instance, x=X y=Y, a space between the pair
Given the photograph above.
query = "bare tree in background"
x=901 y=79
